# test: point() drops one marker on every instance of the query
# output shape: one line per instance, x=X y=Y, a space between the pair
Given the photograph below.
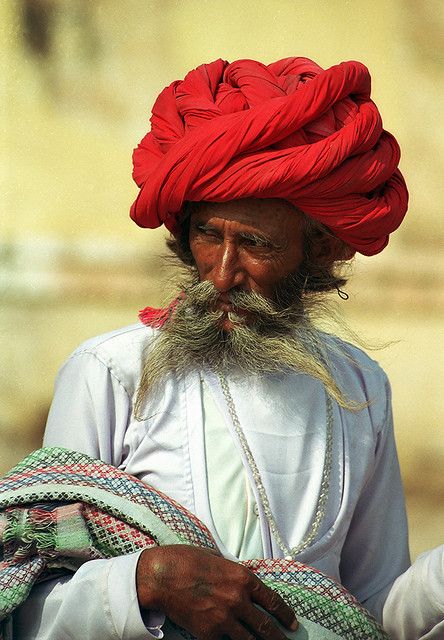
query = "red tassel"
x=156 y=317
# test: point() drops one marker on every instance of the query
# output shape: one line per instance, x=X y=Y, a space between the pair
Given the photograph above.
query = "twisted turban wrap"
x=286 y=130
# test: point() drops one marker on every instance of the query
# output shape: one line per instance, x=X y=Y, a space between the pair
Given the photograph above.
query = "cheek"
x=263 y=278
x=202 y=257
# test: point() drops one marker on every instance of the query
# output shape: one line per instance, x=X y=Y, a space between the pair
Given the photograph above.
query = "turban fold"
x=287 y=130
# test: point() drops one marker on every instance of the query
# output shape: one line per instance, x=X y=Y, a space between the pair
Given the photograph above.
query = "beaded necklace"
x=289 y=553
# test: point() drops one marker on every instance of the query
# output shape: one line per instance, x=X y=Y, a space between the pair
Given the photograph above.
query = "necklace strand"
x=289 y=553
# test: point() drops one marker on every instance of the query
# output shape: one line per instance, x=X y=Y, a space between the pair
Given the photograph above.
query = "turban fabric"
x=289 y=130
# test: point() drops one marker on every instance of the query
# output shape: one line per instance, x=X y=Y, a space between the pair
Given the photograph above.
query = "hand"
x=210 y=596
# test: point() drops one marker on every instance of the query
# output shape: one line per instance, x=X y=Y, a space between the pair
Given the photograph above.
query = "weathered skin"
x=208 y=595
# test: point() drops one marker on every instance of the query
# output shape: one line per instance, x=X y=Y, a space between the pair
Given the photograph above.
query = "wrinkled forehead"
x=270 y=216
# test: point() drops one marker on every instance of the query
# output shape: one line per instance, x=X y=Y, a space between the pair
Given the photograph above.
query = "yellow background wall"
x=72 y=264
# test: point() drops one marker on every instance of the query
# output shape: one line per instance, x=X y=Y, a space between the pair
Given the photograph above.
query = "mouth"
x=232 y=315
x=226 y=307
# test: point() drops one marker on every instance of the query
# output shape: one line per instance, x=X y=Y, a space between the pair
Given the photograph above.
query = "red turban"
x=286 y=130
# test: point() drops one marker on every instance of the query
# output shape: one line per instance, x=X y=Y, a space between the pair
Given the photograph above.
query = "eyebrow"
x=261 y=240
x=204 y=226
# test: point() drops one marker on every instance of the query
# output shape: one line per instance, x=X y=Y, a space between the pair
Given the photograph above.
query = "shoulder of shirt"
x=120 y=351
x=133 y=335
x=355 y=368
x=362 y=380
x=350 y=354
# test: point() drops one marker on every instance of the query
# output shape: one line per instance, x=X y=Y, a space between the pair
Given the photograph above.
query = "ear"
x=328 y=249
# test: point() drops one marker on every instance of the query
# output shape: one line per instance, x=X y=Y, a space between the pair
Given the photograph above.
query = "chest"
x=284 y=421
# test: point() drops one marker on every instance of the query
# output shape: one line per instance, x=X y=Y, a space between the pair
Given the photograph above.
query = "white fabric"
x=88 y=608
x=416 y=602
x=233 y=508
x=363 y=538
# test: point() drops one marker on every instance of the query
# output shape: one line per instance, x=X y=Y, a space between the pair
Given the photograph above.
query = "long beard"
x=265 y=337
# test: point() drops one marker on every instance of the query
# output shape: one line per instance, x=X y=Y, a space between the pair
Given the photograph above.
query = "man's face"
x=246 y=245
x=244 y=310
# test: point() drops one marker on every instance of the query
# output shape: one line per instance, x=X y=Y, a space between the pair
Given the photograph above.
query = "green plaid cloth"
x=61 y=508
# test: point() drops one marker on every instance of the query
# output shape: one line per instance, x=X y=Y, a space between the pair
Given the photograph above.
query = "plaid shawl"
x=62 y=508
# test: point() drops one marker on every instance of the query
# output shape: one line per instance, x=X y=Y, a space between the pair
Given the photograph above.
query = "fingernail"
x=294 y=625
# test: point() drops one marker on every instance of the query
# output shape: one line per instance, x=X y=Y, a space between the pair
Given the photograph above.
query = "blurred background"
x=77 y=80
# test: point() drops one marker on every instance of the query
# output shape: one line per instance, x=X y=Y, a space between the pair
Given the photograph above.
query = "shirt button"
x=256 y=510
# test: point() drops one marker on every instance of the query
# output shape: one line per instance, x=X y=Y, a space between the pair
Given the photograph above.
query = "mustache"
x=201 y=298
x=266 y=337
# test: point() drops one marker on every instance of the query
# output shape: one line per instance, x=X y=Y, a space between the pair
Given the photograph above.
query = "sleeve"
x=375 y=551
x=89 y=413
x=414 y=608
x=99 y=601
x=90 y=409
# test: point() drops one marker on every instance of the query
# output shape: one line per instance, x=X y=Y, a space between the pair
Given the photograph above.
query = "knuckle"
x=265 y=627
x=244 y=577
x=259 y=586
x=276 y=603
x=246 y=580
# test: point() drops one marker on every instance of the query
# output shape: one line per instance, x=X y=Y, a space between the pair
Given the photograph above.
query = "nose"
x=227 y=271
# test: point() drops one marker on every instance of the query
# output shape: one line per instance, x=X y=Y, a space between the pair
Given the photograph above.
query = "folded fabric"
x=62 y=508
x=288 y=130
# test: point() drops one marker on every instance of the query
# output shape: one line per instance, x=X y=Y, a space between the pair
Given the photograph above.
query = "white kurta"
x=363 y=538
x=234 y=510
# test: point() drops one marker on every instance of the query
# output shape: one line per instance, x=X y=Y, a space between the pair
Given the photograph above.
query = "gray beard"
x=277 y=337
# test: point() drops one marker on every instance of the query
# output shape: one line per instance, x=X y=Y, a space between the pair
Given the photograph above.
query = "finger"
x=274 y=604
x=237 y=631
x=262 y=625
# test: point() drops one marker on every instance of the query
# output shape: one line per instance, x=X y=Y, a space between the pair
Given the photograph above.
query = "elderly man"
x=230 y=401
